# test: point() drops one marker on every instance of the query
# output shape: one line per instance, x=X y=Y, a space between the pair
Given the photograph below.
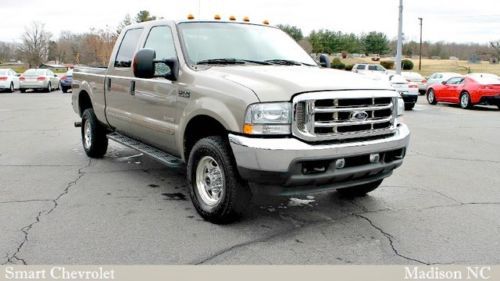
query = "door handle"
x=108 y=84
x=132 y=88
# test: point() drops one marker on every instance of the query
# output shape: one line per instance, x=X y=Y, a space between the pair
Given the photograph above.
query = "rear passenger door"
x=121 y=109
x=155 y=98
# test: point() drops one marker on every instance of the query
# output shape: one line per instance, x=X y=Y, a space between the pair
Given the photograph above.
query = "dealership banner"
x=253 y=273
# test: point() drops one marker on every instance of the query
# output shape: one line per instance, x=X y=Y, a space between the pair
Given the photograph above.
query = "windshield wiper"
x=286 y=62
x=231 y=61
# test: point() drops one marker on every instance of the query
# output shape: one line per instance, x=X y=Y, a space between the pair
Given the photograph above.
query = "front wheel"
x=431 y=97
x=95 y=142
x=409 y=106
x=359 y=190
x=216 y=190
x=465 y=101
x=22 y=90
x=49 y=88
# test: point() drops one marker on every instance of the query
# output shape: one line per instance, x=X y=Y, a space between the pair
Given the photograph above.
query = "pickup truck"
x=244 y=109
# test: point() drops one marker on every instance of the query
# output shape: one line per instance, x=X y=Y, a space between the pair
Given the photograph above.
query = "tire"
x=359 y=190
x=22 y=90
x=498 y=105
x=431 y=97
x=465 y=101
x=94 y=140
x=233 y=194
x=11 y=88
x=64 y=89
x=409 y=106
x=49 y=88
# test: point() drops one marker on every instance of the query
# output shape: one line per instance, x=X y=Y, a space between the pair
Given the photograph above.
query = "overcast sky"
x=448 y=20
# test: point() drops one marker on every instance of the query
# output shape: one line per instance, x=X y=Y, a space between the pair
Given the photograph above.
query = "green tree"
x=143 y=16
x=294 y=31
x=375 y=43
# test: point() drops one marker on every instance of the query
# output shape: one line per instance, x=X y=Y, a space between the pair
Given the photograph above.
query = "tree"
x=375 y=43
x=143 y=16
x=35 y=44
x=294 y=31
x=125 y=22
x=52 y=54
x=496 y=48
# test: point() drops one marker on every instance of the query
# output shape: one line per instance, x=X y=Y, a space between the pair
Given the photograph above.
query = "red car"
x=467 y=91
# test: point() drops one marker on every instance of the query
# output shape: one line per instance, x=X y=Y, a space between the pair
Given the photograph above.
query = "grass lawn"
x=430 y=66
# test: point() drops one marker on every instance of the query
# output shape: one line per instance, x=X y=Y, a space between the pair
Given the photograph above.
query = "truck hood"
x=280 y=83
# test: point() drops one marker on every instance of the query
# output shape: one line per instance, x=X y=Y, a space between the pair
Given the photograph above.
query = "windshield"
x=208 y=41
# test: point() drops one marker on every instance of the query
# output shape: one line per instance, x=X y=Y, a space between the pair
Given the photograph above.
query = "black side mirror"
x=324 y=61
x=144 y=65
x=443 y=82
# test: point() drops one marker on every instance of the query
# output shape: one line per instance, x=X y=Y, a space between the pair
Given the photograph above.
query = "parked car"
x=439 y=77
x=8 y=80
x=245 y=108
x=407 y=90
x=368 y=68
x=473 y=89
x=38 y=79
x=66 y=81
x=416 y=77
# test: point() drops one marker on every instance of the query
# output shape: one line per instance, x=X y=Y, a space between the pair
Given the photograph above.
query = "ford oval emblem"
x=359 y=116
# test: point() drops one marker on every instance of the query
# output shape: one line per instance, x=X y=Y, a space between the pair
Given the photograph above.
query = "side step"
x=155 y=153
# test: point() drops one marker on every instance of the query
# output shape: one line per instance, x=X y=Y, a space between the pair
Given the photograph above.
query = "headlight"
x=268 y=119
x=401 y=107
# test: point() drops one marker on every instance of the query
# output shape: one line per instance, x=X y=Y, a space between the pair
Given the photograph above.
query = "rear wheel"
x=409 y=106
x=95 y=142
x=49 y=88
x=11 y=88
x=359 y=190
x=22 y=90
x=64 y=89
x=465 y=101
x=431 y=97
x=216 y=190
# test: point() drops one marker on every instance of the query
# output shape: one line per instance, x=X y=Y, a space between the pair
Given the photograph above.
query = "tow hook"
x=78 y=124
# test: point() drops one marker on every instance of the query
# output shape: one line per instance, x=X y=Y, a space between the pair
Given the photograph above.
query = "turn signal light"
x=248 y=128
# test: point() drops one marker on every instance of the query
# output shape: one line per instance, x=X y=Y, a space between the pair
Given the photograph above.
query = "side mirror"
x=144 y=65
x=324 y=61
x=443 y=82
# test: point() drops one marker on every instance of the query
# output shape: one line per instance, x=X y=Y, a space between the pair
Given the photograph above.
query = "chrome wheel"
x=209 y=181
x=430 y=96
x=87 y=134
x=464 y=100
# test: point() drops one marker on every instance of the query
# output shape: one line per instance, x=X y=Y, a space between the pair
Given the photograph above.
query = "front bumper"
x=290 y=166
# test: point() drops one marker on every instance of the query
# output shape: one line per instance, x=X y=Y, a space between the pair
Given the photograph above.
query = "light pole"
x=420 y=51
x=399 y=48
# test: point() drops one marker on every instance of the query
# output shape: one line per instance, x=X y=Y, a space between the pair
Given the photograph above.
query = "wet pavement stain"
x=174 y=196
x=153 y=185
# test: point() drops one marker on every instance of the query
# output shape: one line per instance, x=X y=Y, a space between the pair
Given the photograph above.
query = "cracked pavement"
x=58 y=207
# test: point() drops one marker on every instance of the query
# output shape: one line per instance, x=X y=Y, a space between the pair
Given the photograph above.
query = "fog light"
x=340 y=163
x=374 y=158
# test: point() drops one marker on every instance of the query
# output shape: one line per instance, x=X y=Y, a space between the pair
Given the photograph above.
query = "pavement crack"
x=26 y=229
x=391 y=240
x=25 y=201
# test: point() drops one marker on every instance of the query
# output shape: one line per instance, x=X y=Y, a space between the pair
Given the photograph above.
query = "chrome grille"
x=325 y=117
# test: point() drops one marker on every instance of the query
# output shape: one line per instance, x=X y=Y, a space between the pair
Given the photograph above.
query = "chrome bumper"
x=277 y=154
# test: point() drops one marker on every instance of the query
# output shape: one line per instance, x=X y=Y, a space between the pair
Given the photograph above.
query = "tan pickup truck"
x=245 y=109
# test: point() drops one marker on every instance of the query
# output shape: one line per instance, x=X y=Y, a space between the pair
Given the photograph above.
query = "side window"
x=380 y=68
x=127 y=48
x=372 y=67
x=361 y=67
x=161 y=40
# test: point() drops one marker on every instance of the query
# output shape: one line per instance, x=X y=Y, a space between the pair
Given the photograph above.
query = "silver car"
x=439 y=77
x=38 y=79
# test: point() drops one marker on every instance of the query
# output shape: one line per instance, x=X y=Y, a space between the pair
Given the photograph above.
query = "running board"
x=155 y=153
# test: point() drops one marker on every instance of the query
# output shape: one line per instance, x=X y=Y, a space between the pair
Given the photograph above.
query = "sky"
x=475 y=21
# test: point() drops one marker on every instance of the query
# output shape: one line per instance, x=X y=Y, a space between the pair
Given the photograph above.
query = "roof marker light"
x=246 y=19
x=190 y=17
x=217 y=17
x=266 y=22
x=232 y=18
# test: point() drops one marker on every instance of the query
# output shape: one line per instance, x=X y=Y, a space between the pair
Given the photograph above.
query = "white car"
x=416 y=78
x=39 y=79
x=407 y=90
x=8 y=80
x=368 y=68
x=439 y=77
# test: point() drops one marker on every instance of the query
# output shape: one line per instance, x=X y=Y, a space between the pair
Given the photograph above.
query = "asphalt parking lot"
x=59 y=207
